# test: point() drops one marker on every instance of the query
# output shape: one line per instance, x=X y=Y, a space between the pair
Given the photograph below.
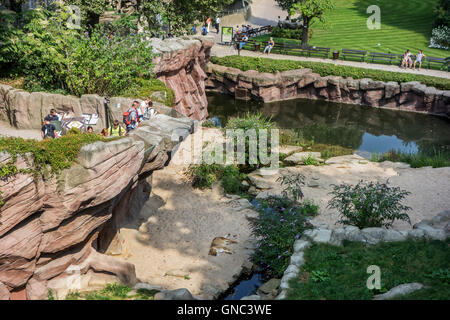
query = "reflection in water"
x=362 y=128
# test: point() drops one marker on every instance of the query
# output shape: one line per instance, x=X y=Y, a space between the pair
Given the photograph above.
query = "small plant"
x=310 y=161
x=369 y=204
x=320 y=276
x=186 y=277
x=50 y=294
x=292 y=186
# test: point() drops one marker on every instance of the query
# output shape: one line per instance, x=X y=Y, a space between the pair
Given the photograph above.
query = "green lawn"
x=405 y=24
x=335 y=273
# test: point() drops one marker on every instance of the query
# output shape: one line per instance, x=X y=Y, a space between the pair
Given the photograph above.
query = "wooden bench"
x=435 y=62
x=319 y=51
x=413 y=58
x=377 y=56
x=350 y=53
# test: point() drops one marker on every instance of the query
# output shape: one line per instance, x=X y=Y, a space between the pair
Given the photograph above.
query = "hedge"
x=327 y=69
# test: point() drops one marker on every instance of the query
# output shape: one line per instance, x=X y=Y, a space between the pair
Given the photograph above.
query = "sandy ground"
x=430 y=188
x=172 y=236
x=174 y=231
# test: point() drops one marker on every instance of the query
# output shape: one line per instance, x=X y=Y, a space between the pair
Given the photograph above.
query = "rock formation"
x=51 y=227
x=303 y=83
x=181 y=64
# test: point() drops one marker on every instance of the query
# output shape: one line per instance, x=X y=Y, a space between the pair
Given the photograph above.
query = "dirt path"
x=8 y=131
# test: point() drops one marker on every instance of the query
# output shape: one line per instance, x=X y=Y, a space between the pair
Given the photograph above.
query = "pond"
x=365 y=129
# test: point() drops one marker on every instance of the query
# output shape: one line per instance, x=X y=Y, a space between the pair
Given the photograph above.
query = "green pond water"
x=365 y=129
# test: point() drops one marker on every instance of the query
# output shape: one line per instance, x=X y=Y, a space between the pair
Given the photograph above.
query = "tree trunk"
x=305 y=32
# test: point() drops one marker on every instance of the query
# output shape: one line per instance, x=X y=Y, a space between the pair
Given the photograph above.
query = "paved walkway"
x=266 y=12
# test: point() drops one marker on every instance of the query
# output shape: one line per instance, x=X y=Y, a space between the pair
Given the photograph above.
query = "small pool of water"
x=245 y=286
x=365 y=129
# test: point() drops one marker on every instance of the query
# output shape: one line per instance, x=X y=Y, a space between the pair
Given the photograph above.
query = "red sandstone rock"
x=36 y=290
x=4 y=292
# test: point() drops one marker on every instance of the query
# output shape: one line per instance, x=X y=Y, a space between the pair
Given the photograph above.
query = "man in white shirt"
x=217 y=24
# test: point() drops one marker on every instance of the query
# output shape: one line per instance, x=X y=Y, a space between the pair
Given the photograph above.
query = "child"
x=419 y=58
x=407 y=59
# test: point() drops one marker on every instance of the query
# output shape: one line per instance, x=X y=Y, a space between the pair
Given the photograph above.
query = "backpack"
x=127 y=117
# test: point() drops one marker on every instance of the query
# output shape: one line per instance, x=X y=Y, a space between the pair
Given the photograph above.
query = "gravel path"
x=8 y=131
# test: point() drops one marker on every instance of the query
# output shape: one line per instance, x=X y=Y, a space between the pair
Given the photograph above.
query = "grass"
x=405 y=24
x=438 y=160
x=327 y=69
x=114 y=291
x=335 y=273
x=58 y=154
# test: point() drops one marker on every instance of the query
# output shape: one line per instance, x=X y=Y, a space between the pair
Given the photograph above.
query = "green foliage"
x=310 y=161
x=112 y=291
x=54 y=57
x=287 y=33
x=292 y=186
x=50 y=294
x=369 y=204
x=257 y=122
x=441 y=35
x=438 y=159
x=442 y=13
x=280 y=222
x=145 y=88
x=204 y=175
x=58 y=154
x=326 y=69
x=346 y=267
x=320 y=276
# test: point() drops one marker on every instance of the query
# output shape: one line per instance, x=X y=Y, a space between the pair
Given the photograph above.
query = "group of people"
x=206 y=26
x=407 y=60
x=134 y=115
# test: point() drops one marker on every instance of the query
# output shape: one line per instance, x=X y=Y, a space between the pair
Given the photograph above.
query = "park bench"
x=350 y=53
x=319 y=51
x=297 y=49
x=400 y=57
x=377 y=56
x=435 y=62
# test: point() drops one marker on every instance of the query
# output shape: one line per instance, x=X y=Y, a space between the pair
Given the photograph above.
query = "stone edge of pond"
x=427 y=229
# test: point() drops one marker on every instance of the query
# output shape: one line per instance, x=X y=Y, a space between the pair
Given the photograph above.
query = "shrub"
x=252 y=121
x=441 y=36
x=292 y=186
x=58 y=154
x=204 y=175
x=369 y=204
x=231 y=179
x=287 y=33
x=326 y=69
x=281 y=221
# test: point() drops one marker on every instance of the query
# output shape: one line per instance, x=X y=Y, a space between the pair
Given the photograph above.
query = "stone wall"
x=303 y=83
x=181 y=66
x=50 y=224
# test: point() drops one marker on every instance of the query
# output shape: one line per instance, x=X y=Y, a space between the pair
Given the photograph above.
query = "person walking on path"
x=419 y=58
x=269 y=46
x=217 y=24
x=208 y=23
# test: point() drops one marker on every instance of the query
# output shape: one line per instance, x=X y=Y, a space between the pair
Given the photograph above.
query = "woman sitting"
x=269 y=46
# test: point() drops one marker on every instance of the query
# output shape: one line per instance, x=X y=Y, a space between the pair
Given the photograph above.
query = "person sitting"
x=204 y=31
x=52 y=116
x=48 y=130
x=269 y=46
x=104 y=132
x=147 y=109
x=131 y=117
x=419 y=58
x=90 y=130
x=116 y=130
x=243 y=41
x=407 y=59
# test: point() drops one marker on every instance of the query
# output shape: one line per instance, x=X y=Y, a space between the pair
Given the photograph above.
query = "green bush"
x=204 y=175
x=287 y=33
x=231 y=179
x=252 y=121
x=57 y=154
x=280 y=222
x=55 y=58
x=145 y=88
x=369 y=204
x=327 y=69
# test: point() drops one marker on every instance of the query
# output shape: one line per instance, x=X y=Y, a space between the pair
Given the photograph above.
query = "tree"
x=90 y=9
x=311 y=11
x=286 y=5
